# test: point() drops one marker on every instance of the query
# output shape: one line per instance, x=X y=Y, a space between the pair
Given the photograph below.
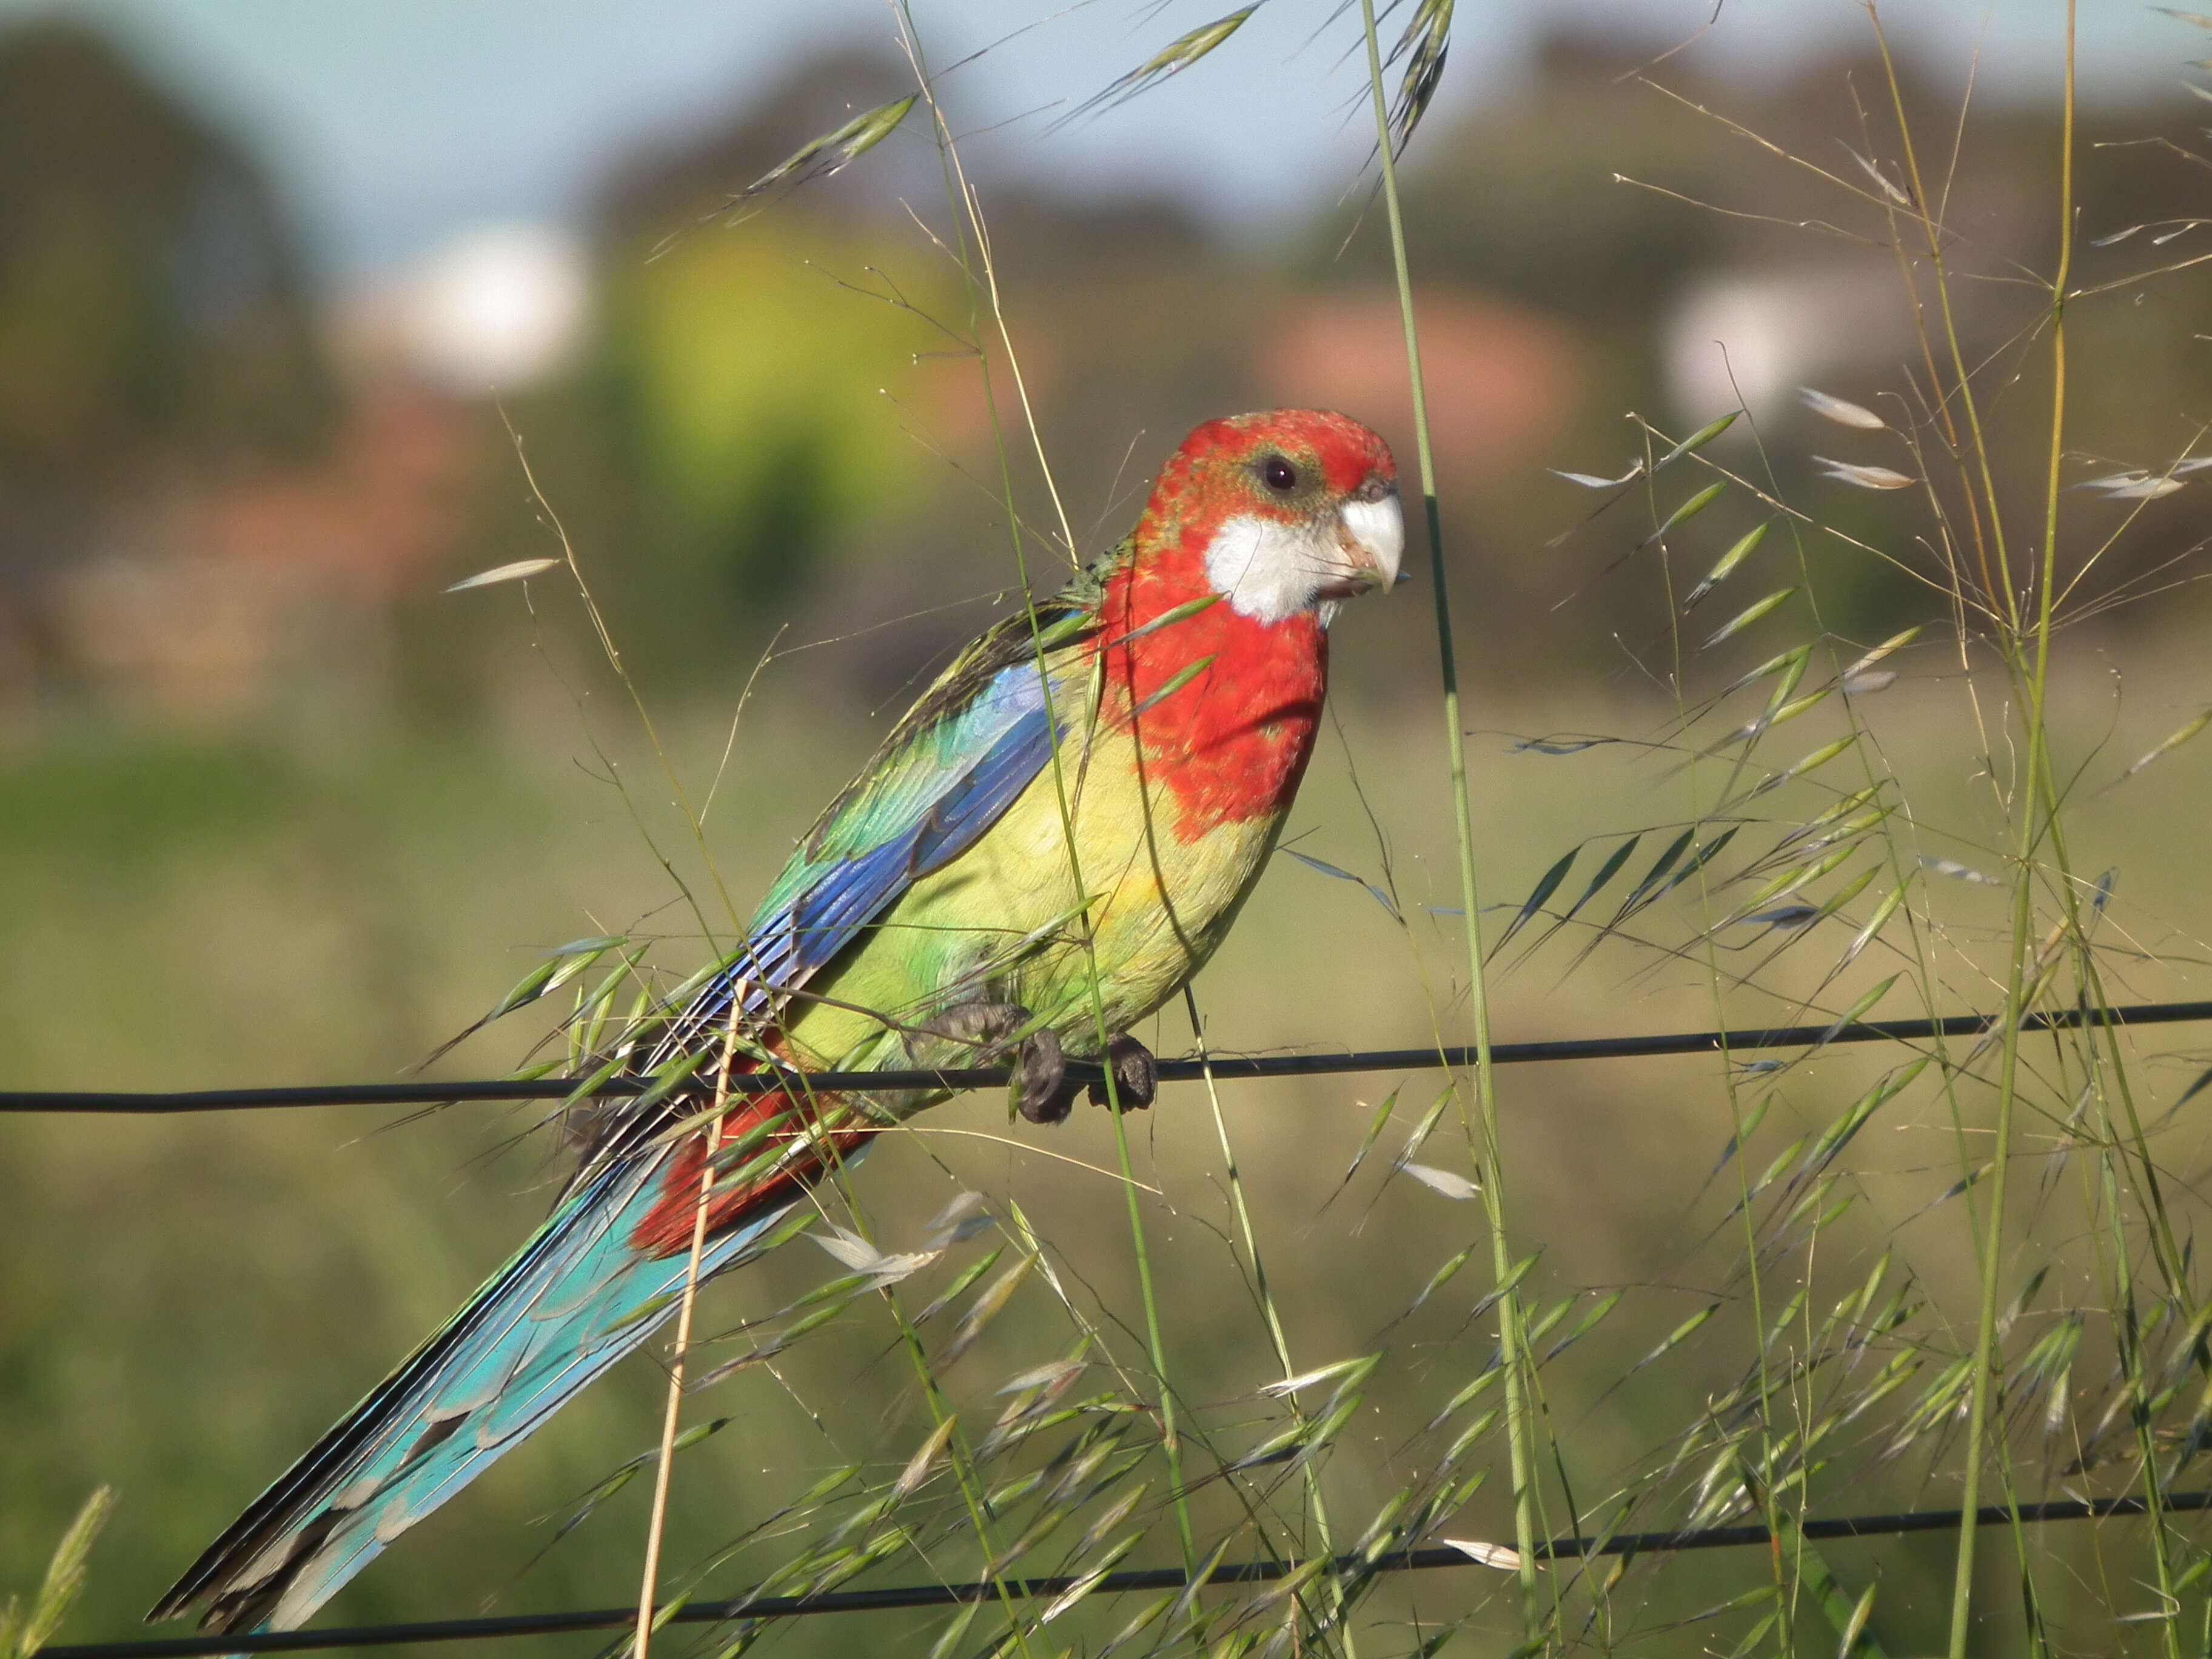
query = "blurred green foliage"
x=776 y=417
x=751 y=384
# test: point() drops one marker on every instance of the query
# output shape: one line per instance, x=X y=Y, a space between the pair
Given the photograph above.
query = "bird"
x=1046 y=847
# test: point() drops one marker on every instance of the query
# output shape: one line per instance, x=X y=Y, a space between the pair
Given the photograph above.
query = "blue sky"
x=391 y=124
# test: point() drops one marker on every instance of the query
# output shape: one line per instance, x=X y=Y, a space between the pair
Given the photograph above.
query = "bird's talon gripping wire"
x=1042 y=1093
x=1136 y=1075
x=1039 y=1085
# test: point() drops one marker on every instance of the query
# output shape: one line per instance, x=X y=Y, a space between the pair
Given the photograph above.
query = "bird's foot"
x=1136 y=1075
x=1039 y=1085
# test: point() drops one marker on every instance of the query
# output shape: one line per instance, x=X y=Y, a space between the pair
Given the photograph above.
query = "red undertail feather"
x=763 y=1123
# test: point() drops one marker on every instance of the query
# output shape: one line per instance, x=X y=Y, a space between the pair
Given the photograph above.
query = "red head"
x=1290 y=511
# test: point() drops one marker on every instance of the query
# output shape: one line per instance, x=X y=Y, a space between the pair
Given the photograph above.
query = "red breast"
x=1230 y=742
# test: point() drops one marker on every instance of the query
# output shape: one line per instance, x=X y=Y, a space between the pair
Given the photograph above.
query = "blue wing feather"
x=1001 y=740
x=937 y=783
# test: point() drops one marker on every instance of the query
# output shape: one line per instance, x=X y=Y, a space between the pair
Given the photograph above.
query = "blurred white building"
x=498 y=308
x=1749 y=339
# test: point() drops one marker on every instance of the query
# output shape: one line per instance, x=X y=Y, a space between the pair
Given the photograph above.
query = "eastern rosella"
x=1092 y=788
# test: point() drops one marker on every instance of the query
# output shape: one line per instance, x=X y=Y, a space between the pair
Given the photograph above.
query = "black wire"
x=1142 y=1578
x=1170 y=1070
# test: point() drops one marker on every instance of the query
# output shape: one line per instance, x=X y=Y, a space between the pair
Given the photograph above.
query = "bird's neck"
x=1224 y=707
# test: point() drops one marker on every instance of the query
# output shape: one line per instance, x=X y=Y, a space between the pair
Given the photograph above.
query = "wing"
x=950 y=769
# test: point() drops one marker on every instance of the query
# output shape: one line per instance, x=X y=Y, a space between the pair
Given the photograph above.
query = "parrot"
x=1046 y=847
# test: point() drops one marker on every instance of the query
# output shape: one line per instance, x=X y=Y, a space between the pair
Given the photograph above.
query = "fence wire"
x=1221 y=1067
x=893 y=1597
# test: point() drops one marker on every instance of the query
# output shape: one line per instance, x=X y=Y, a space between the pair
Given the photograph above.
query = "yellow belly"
x=1006 y=921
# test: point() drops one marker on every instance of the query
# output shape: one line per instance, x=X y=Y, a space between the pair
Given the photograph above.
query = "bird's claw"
x=1042 y=1091
x=1043 y=1094
x=1039 y=1082
x=1136 y=1075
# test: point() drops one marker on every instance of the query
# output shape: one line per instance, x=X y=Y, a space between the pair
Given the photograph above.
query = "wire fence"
x=1223 y=1067
x=895 y=1597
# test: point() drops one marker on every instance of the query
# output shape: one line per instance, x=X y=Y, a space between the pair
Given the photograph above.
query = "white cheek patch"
x=1267 y=570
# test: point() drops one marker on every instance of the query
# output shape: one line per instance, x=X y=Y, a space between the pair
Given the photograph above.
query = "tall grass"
x=1431 y=26
x=1919 y=1276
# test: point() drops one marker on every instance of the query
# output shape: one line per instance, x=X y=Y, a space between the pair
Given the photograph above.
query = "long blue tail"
x=575 y=1299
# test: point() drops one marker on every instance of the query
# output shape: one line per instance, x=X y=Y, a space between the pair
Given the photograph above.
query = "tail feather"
x=577 y=1296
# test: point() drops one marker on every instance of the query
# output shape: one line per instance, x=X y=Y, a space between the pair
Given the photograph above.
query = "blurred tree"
x=752 y=375
x=151 y=313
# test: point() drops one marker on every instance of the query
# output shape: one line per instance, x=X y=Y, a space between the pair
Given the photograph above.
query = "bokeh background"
x=290 y=294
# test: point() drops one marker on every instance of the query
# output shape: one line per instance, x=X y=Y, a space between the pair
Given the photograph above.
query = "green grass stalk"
x=26 y=1627
x=2003 y=602
x=2127 y=1330
x=1485 y=1085
x=1760 y=1477
x=983 y=294
x=961 y=1457
x=2033 y=817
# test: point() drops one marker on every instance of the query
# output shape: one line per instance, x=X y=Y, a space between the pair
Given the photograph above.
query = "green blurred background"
x=275 y=808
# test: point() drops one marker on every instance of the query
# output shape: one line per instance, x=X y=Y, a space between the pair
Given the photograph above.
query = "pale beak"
x=1374 y=540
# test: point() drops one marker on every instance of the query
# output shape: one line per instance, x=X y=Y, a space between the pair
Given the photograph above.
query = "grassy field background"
x=189 y=1301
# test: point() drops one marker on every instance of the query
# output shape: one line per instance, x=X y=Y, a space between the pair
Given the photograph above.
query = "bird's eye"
x=1278 y=474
